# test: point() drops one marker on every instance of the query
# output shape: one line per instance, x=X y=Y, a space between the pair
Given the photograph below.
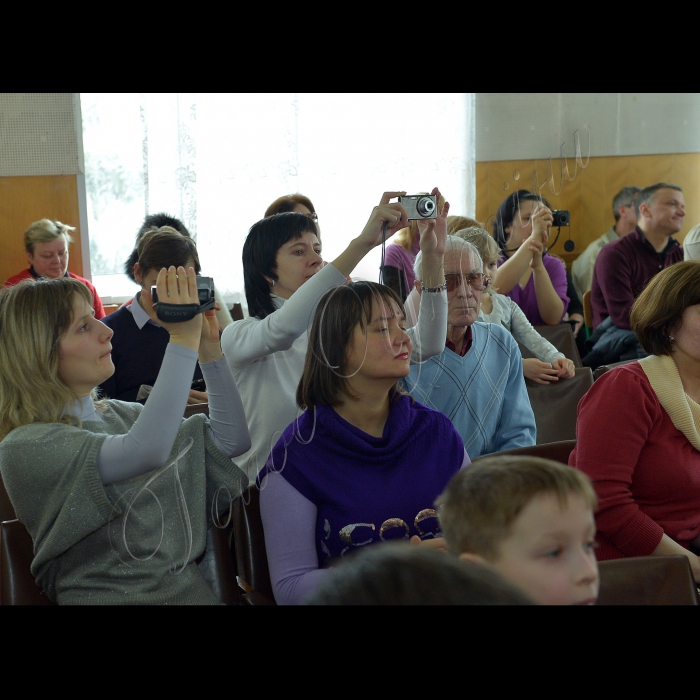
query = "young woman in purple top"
x=364 y=463
x=535 y=281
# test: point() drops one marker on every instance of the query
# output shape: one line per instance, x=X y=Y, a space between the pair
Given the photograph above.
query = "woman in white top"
x=498 y=308
x=284 y=279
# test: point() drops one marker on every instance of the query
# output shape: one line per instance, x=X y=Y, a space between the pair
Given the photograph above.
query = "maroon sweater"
x=622 y=270
x=644 y=470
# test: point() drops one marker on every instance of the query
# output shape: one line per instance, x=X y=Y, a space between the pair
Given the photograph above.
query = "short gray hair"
x=624 y=198
x=648 y=193
x=454 y=245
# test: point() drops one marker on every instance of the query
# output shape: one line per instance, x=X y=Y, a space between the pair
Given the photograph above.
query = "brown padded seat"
x=558 y=451
x=555 y=405
x=647 y=581
x=562 y=337
x=7 y=511
x=600 y=371
x=17 y=585
x=251 y=556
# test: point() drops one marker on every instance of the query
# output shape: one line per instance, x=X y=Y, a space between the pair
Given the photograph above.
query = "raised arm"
x=428 y=336
x=550 y=288
x=246 y=341
x=150 y=440
x=510 y=272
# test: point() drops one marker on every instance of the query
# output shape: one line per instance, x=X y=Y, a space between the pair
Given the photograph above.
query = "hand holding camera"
x=179 y=287
x=541 y=223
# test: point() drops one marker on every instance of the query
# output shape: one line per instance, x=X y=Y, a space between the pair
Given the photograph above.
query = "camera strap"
x=381 y=264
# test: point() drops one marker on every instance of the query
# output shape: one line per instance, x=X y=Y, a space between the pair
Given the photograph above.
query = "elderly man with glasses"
x=477 y=381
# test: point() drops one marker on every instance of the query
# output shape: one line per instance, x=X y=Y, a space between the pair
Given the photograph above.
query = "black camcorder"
x=177 y=313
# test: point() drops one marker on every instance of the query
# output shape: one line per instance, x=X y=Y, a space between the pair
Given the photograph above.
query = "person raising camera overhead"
x=284 y=279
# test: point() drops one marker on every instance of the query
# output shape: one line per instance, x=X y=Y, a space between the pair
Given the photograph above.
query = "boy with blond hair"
x=531 y=520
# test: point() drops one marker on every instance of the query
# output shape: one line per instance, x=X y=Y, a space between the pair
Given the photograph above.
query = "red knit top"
x=644 y=470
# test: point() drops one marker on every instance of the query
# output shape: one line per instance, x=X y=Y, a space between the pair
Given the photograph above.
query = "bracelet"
x=434 y=290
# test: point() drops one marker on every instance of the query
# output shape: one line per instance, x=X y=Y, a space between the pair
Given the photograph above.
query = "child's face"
x=550 y=552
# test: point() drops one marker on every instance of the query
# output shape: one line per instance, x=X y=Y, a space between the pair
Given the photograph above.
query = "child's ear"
x=474 y=558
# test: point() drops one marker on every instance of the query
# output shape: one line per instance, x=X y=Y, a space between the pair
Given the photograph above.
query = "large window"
x=217 y=161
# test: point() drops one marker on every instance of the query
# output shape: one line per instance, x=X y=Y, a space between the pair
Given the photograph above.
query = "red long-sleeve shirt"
x=644 y=470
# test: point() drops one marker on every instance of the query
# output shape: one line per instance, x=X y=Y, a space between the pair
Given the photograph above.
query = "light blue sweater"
x=482 y=393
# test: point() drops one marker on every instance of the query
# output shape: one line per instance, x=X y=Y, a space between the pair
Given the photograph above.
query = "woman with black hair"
x=284 y=278
x=533 y=279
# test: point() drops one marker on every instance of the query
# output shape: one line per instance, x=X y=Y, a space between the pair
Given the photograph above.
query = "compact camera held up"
x=420 y=206
x=177 y=313
x=561 y=217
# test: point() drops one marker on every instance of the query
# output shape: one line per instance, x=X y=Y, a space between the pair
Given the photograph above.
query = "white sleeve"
x=248 y=340
x=523 y=331
x=429 y=334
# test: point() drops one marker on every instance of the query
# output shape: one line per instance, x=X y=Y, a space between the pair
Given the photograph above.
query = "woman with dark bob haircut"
x=364 y=462
x=284 y=278
x=534 y=280
x=646 y=468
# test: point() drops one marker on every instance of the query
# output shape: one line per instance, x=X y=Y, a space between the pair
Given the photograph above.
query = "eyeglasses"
x=312 y=215
x=476 y=280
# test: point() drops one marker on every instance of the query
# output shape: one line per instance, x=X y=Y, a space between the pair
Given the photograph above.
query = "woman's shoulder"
x=420 y=414
x=622 y=384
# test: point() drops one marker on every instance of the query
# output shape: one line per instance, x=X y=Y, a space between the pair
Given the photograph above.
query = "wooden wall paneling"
x=589 y=195
x=26 y=199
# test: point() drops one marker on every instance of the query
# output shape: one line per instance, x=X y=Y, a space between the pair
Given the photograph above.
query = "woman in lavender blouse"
x=364 y=463
x=534 y=280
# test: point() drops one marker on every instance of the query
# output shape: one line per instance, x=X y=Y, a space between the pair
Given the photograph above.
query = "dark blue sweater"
x=137 y=355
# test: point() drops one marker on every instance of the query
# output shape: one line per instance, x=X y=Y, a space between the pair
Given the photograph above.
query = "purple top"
x=363 y=489
x=397 y=256
x=622 y=270
x=526 y=298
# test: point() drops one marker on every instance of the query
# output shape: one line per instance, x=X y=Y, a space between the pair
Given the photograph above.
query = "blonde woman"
x=117 y=497
x=46 y=247
x=550 y=364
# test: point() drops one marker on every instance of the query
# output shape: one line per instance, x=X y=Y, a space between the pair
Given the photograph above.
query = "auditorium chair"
x=587 y=313
x=647 y=581
x=7 y=511
x=17 y=585
x=600 y=371
x=562 y=337
x=558 y=451
x=251 y=556
x=555 y=405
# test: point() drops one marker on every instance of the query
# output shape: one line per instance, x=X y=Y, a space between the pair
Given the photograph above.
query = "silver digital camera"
x=420 y=206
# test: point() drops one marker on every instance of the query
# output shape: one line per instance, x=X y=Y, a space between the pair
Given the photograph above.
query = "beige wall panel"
x=29 y=198
x=589 y=196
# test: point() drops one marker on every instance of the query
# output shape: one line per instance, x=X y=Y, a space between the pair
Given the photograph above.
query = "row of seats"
x=245 y=578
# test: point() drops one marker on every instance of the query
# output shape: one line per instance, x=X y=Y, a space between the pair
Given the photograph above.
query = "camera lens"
x=425 y=206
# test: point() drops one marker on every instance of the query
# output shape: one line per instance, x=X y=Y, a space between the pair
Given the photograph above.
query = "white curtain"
x=217 y=161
